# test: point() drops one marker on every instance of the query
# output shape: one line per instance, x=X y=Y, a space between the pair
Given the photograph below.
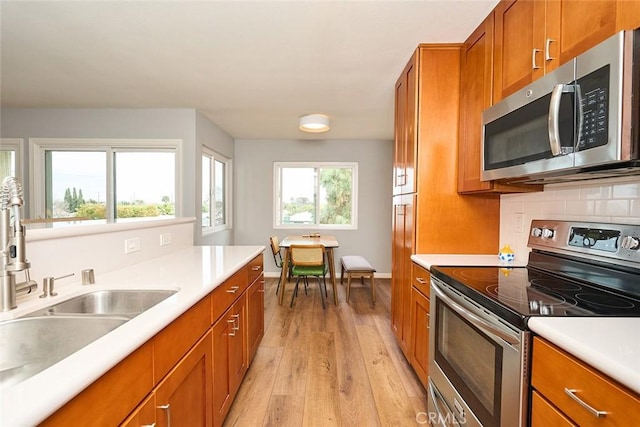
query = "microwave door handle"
x=580 y=113
x=472 y=318
x=554 y=117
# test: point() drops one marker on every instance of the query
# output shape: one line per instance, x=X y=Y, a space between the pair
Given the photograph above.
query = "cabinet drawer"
x=226 y=293
x=420 y=279
x=544 y=414
x=555 y=370
x=255 y=268
x=110 y=398
x=174 y=341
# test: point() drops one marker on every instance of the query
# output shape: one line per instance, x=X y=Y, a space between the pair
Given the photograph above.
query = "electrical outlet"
x=131 y=245
x=519 y=223
x=165 y=239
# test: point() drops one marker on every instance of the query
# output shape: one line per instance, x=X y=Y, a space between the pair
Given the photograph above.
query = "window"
x=105 y=180
x=315 y=195
x=10 y=158
x=216 y=204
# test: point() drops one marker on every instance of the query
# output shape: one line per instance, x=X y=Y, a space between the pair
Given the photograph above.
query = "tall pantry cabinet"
x=429 y=216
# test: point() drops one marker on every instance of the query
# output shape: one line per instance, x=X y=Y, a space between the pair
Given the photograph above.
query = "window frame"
x=38 y=147
x=213 y=156
x=277 y=195
x=15 y=145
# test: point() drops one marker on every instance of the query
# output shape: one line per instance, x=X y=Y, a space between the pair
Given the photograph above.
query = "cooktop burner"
x=521 y=292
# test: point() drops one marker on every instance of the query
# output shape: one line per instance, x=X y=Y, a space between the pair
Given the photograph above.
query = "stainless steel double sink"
x=38 y=340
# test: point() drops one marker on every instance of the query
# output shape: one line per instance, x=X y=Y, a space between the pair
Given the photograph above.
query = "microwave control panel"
x=593 y=90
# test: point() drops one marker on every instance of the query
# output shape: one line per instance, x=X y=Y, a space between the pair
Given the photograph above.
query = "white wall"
x=254 y=194
x=613 y=200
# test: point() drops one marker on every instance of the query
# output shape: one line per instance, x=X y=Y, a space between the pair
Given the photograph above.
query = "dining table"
x=329 y=243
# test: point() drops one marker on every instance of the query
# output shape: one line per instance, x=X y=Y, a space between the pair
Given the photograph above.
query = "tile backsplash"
x=613 y=200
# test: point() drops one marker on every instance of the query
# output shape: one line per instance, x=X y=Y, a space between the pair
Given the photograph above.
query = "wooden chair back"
x=307 y=255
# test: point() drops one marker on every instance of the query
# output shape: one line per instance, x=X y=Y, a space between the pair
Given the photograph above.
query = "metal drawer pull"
x=149 y=425
x=572 y=394
x=233 y=289
x=421 y=280
x=166 y=408
x=255 y=268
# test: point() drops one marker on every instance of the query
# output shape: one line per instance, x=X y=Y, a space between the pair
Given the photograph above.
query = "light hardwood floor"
x=335 y=367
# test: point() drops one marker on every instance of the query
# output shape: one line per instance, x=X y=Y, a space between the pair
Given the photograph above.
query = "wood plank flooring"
x=335 y=367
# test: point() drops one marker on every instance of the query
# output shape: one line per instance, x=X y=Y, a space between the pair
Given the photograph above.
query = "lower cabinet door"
x=229 y=358
x=184 y=397
x=420 y=334
x=255 y=316
x=543 y=414
x=144 y=414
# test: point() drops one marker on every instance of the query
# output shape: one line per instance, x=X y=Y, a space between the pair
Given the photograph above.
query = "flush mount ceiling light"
x=314 y=123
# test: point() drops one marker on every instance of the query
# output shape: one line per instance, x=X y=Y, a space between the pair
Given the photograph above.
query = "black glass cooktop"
x=521 y=292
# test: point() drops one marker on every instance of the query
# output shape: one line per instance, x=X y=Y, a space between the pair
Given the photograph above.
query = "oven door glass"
x=472 y=361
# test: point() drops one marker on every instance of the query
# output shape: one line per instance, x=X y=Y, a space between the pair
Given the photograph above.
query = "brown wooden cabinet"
x=183 y=398
x=255 y=316
x=229 y=358
x=434 y=218
x=144 y=415
x=420 y=293
x=556 y=374
x=404 y=159
x=476 y=95
x=401 y=251
x=535 y=37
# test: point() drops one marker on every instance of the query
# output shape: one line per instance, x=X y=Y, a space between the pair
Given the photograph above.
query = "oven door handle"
x=435 y=396
x=472 y=318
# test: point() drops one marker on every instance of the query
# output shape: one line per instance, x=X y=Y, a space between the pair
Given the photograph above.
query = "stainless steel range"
x=479 y=342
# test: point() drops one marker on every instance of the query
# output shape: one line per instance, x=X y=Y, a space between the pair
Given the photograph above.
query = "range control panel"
x=591 y=240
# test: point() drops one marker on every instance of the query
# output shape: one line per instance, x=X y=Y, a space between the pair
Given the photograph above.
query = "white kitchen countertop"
x=194 y=272
x=609 y=344
x=427 y=260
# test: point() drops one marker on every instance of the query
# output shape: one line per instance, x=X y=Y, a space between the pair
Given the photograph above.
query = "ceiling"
x=251 y=67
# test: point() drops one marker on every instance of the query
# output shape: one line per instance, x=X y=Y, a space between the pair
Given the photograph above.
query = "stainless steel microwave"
x=580 y=118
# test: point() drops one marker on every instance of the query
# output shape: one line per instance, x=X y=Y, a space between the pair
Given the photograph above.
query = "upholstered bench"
x=357 y=266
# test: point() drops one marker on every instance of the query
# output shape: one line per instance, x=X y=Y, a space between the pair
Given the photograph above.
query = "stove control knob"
x=547 y=233
x=536 y=232
x=630 y=242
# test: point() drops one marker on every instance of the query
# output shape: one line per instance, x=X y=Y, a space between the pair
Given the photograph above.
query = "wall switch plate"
x=165 y=239
x=131 y=245
x=519 y=223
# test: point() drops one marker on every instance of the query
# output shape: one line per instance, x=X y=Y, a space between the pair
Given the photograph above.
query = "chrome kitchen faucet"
x=13 y=245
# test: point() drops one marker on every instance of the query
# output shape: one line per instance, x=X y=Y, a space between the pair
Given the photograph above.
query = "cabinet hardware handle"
x=233 y=289
x=572 y=394
x=149 y=425
x=255 y=268
x=233 y=328
x=428 y=320
x=547 y=47
x=168 y=409
x=421 y=280
x=236 y=317
x=533 y=59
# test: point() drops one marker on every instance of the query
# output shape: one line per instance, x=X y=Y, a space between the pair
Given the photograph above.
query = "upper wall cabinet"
x=404 y=159
x=535 y=37
x=475 y=96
